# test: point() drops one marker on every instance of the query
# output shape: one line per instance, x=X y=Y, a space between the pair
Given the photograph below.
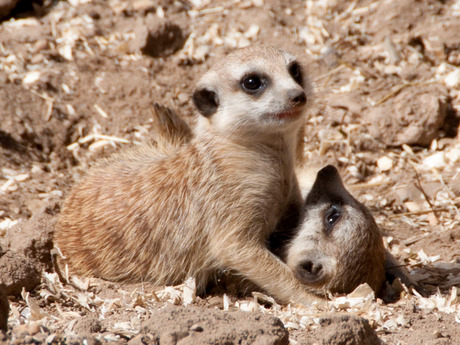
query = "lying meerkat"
x=338 y=245
x=333 y=244
x=164 y=215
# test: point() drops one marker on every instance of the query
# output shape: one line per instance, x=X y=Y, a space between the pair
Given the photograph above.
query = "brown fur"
x=336 y=255
x=161 y=215
x=358 y=259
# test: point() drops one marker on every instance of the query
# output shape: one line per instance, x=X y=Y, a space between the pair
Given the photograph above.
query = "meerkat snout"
x=262 y=95
x=297 y=97
x=309 y=271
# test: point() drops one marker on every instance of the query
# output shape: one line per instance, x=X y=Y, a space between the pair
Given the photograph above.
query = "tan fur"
x=170 y=131
x=351 y=254
x=161 y=216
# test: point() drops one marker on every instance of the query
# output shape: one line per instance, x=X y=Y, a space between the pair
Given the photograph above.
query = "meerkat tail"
x=169 y=129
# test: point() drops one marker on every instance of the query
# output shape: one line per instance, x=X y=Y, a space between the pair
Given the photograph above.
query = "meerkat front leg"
x=255 y=261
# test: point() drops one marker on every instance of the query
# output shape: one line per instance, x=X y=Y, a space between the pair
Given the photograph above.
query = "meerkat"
x=348 y=244
x=149 y=215
x=338 y=245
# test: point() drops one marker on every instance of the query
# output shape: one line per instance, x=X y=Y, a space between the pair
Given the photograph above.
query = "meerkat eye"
x=296 y=72
x=252 y=83
x=333 y=214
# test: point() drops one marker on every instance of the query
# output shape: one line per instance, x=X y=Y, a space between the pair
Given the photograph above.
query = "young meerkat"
x=337 y=245
x=333 y=243
x=164 y=215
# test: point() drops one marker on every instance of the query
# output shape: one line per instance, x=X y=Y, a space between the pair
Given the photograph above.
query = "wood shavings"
x=452 y=79
x=82 y=284
x=19 y=23
x=100 y=111
x=189 y=291
x=76 y=3
x=358 y=53
x=225 y=302
x=98 y=140
x=248 y=306
x=12 y=182
x=360 y=298
x=434 y=161
x=34 y=312
x=425 y=258
x=6 y=224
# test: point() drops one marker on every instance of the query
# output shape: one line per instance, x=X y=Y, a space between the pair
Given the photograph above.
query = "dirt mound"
x=26 y=251
x=192 y=325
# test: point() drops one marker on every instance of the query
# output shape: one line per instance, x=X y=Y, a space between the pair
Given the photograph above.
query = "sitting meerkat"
x=162 y=215
x=332 y=244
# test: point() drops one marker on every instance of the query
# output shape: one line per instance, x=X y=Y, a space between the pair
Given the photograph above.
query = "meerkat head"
x=253 y=89
x=338 y=244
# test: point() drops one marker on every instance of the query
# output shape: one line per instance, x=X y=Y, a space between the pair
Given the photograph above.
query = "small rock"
x=216 y=301
x=144 y=339
x=413 y=117
x=196 y=328
x=16 y=272
x=455 y=234
x=412 y=206
x=385 y=163
x=86 y=325
x=348 y=330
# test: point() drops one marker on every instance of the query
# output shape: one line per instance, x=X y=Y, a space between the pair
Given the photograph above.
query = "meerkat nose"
x=309 y=271
x=297 y=97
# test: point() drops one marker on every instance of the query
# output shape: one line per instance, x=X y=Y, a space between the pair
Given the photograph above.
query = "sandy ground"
x=78 y=79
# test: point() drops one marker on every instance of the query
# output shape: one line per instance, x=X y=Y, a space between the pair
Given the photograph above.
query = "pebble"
x=196 y=328
x=385 y=163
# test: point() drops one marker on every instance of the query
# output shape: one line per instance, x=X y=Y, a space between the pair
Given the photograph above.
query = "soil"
x=78 y=79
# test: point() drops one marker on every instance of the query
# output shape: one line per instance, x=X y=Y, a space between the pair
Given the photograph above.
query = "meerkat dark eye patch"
x=206 y=101
x=331 y=217
x=253 y=83
x=295 y=70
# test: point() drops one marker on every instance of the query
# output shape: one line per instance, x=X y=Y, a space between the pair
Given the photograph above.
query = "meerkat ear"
x=206 y=101
x=328 y=183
